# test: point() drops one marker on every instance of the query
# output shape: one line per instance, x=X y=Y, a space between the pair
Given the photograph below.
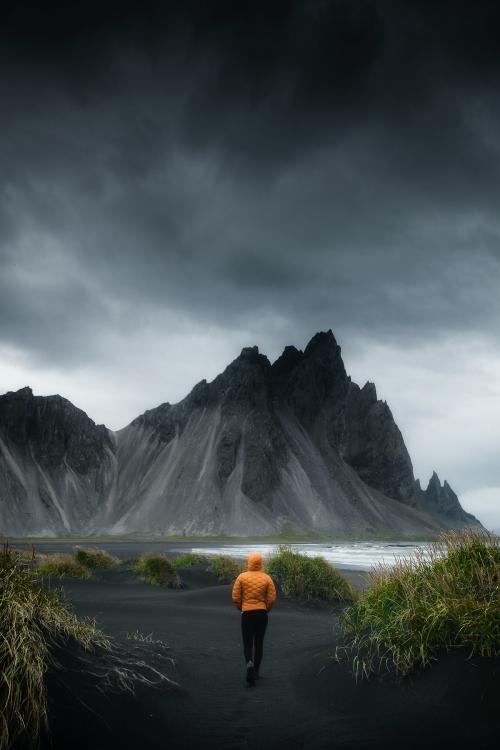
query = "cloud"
x=225 y=175
x=484 y=502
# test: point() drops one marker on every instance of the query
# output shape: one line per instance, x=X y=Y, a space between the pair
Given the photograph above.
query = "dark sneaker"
x=250 y=673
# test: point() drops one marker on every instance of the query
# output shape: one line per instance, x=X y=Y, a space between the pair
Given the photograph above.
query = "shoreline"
x=305 y=698
x=356 y=556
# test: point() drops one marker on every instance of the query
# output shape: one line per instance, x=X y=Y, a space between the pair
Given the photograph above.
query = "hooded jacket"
x=254 y=589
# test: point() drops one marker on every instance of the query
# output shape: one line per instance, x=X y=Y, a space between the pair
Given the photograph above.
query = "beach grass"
x=225 y=568
x=159 y=570
x=32 y=622
x=187 y=560
x=60 y=566
x=95 y=559
x=308 y=578
x=444 y=597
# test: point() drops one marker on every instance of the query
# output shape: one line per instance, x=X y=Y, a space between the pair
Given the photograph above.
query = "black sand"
x=304 y=699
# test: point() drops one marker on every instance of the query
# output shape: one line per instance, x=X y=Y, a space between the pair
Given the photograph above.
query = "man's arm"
x=237 y=594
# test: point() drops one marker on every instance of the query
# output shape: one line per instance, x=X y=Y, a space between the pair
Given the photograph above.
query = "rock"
x=262 y=447
x=441 y=500
x=373 y=445
x=53 y=429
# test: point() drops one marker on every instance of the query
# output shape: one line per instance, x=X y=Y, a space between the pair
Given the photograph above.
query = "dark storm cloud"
x=332 y=163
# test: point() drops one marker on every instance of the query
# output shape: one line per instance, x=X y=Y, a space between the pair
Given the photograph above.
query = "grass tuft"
x=60 y=566
x=308 y=578
x=32 y=621
x=159 y=570
x=187 y=560
x=227 y=569
x=444 y=597
x=95 y=558
x=143 y=637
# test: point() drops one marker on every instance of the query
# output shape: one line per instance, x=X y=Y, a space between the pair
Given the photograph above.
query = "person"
x=254 y=594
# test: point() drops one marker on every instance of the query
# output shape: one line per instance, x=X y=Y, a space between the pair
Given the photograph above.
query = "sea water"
x=353 y=555
x=346 y=554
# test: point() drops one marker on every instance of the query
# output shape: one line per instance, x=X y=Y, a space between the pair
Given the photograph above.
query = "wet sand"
x=304 y=700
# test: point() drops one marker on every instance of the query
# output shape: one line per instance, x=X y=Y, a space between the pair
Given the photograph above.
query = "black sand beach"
x=305 y=699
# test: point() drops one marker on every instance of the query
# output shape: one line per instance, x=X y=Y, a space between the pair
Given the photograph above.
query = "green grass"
x=32 y=621
x=94 y=559
x=308 y=578
x=62 y=565
x=226 y=568
x=159 y=570
x=187 y=560
x=423 y=607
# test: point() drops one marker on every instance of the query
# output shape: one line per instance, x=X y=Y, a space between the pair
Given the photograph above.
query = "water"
x=347 y=555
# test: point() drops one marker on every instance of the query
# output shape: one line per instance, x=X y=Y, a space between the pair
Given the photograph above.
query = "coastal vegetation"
x=226 y=568
x=32 y=623
x=187 y=560
x=61 y=566
x=158 y=570
x=308 y=578
x=445 y=597
x=95 y=559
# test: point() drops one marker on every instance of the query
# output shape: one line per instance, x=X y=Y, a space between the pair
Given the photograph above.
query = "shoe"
x=250 y=673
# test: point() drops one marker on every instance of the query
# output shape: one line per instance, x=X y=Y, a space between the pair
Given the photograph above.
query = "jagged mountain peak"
x=249 y=352
x=369 y=391
x=25 y=392
x=442 y=499
x=52 y=430
x=322 y=342
x=249 y=357
x=260 y=446
x=434 y=481
x=286 y=362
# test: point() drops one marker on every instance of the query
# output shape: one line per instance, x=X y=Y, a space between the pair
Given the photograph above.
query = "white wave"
x=355 y=555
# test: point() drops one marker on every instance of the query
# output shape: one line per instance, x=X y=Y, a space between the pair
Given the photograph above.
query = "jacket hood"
x=255 y=561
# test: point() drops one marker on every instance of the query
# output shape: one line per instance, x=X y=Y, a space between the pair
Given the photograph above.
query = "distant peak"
x=369 y=390
x=248 y=352
x=250 y=356
x=26 y=392
x=321 y=340
x=434 y=481
x=287 y=361
x=291 y=350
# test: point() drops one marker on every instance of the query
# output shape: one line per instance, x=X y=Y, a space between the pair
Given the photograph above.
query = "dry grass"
x=61 y=566
x=308 y=578
x=32 y=621
x=442 y=598
x=95 y=558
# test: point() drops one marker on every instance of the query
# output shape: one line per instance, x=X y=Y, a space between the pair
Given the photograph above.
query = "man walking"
x=254 y=594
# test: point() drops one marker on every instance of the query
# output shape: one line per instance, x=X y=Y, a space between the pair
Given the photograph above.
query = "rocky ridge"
x=262 y=448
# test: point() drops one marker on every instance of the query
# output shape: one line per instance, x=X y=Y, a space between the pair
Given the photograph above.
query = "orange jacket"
x=254 y=589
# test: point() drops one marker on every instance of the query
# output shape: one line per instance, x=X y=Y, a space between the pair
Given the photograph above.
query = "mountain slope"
x=261 y=448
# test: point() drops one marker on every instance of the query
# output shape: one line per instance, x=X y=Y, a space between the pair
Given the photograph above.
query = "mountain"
x=262 y=448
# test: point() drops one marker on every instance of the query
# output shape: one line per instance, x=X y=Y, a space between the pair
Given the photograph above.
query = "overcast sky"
x=186 y=179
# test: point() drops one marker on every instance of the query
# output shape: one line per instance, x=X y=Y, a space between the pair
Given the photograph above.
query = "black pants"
x=253 y=627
